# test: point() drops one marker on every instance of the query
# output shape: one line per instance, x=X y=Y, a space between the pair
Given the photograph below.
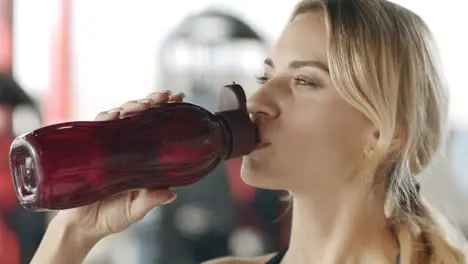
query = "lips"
x=259 y=137
x=261 y=145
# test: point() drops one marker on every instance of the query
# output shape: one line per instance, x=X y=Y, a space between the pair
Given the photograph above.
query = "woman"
x=352 y=108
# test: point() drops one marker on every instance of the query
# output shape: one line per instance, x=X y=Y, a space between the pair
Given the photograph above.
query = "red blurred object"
x=58 y=101
x=9 y=245
x=6 y=43
x=242 y=192
x=7 y=193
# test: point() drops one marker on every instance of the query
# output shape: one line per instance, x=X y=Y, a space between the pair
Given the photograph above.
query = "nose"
x=263 y=104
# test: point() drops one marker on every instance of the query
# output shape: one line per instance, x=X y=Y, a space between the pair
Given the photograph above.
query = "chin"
x=260 y=175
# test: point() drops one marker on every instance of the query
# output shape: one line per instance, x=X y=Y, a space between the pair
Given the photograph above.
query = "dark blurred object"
x=20 y=231
x=11 y=93
x=11 y=96
x=213 y=27
x=220 y=215
x=208 y=50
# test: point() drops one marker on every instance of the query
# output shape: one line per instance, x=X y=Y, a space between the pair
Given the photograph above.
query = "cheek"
x=327 y=137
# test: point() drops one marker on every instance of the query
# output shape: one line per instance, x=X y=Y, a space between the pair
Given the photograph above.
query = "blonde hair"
x=383 y=61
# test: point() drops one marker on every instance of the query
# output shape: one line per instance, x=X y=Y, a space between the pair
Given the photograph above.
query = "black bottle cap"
x=232 y=106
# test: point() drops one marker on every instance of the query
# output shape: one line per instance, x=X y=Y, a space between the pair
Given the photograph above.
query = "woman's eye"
x=262 y=79
x=301 y=82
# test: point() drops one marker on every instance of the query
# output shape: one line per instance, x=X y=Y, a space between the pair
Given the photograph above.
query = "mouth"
x=261 y=145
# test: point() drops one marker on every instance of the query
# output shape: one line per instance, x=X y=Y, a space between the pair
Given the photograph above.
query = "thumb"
x=145 y=200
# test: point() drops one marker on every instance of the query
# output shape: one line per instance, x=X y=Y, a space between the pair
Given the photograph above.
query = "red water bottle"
x=76 y=163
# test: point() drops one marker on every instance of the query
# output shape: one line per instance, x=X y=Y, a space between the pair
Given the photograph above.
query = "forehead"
x=305 y=38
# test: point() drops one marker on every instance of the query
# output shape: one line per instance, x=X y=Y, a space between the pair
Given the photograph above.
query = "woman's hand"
x=118 y=212
x=88 y=224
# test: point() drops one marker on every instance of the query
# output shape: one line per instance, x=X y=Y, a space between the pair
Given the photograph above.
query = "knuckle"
x=102 y=115
x=129 y=104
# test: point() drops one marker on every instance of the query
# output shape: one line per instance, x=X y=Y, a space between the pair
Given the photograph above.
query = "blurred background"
x=63 y=60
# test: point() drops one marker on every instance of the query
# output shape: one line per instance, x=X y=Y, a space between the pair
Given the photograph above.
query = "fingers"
x=164 y=97
x=145 y=200
x=133 y=107
x=108 y=115
x=136 y=106
x=177 y=97
x=159 y=97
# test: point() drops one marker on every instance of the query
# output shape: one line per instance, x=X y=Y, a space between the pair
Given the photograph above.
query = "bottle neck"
x=227 y=136
x=241 y=133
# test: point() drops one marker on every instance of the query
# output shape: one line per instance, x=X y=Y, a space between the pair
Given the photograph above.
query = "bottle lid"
x=232 y=106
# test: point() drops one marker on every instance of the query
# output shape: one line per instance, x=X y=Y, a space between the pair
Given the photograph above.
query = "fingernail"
x=170 y=199
x=177 y=96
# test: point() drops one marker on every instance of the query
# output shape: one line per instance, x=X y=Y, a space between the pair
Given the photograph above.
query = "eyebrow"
x=300 y=64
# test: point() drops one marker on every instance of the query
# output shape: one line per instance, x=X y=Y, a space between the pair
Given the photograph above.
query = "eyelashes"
x=301 y=81
x=262 y=79
x=297 y=81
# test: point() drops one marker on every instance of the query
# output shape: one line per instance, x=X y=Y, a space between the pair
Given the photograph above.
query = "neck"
x=346 y=226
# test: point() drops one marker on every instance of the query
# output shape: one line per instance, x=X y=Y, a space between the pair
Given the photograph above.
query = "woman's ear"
x=373 y=138
x=397 y=140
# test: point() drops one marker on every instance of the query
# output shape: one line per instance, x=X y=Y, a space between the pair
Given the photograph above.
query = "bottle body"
x=77 y=163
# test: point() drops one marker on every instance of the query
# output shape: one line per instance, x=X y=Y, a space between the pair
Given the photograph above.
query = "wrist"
x=72 y=233
x=64 y=242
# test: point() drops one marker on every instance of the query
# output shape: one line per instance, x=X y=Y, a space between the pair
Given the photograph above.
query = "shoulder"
x=233 y=260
